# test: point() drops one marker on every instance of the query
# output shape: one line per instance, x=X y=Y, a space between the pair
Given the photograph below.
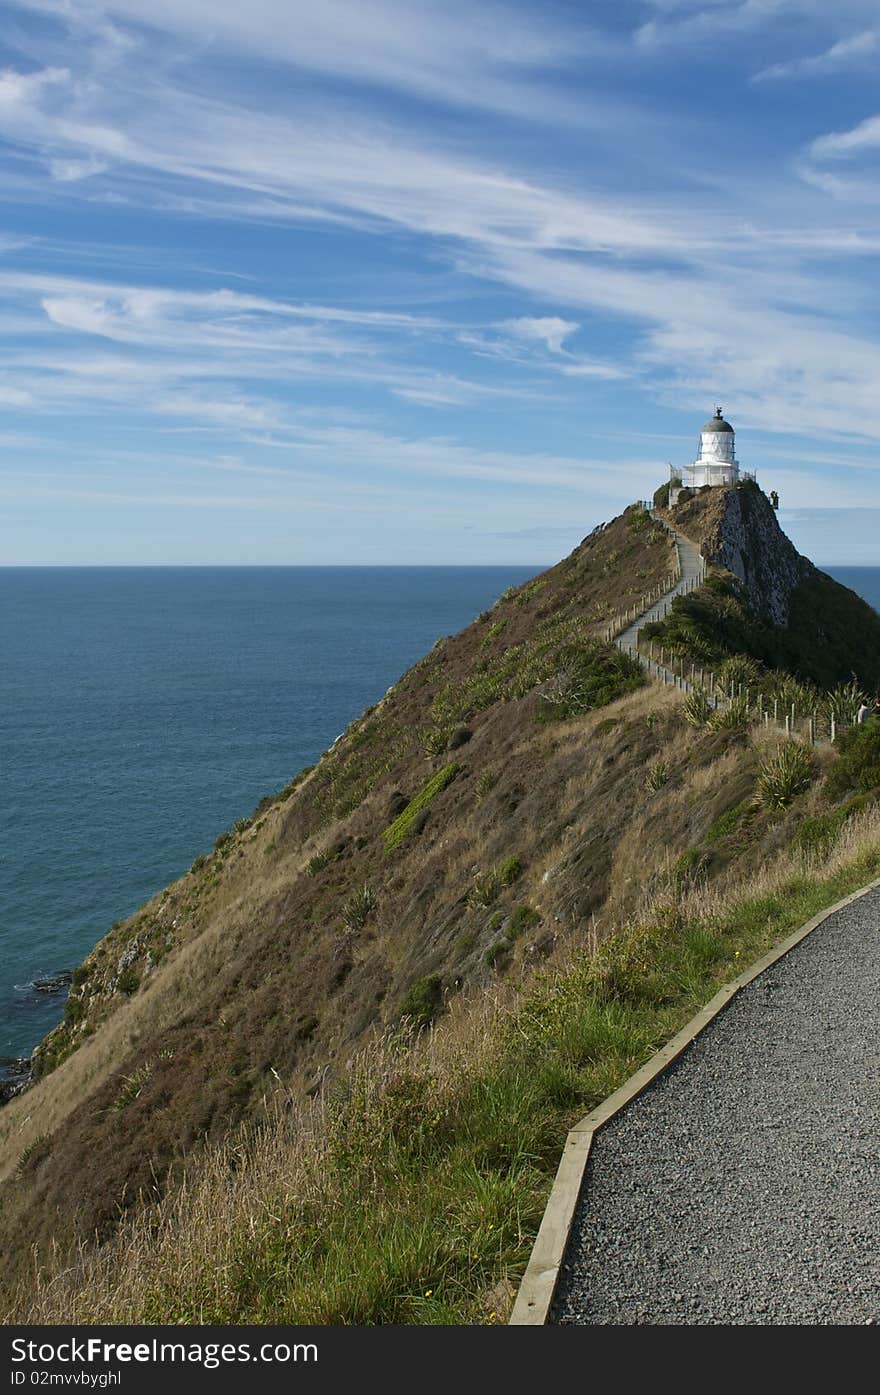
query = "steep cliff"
x=739 y=531
x=770 y=601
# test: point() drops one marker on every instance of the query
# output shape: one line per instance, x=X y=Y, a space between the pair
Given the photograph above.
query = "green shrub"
x=637 y=518
x=508 y=871
x=132 y=1085
x=787 y=692
x=484 y=888
x=739 y=671
x=733 y=714
x=485 y=783
x=820 y=832
x=858 y=764
x=223 y=841
x=486 y=885
x=435 y=740
x=843 y=703
x=588 y=676
x=698 y=707
x=423 y=1001
x=496 y=951
x=494 y=631
x=687 y=868
x=198 y=863
x=786 y=774
x=319 y=861
x=128 y=982
x=74 y=1011
x=359 y=907
x=728 y=822
x=32 y=1153
x=405 y=822
x=523 y=918
x=658 y=774
x=529 y=591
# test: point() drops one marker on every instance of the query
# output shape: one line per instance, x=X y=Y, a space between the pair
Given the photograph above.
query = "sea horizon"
x=332 y=566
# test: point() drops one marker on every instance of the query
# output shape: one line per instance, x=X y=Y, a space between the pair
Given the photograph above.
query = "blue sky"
x=379 y=281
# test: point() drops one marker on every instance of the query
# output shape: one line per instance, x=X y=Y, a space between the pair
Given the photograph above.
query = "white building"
x=716 y=464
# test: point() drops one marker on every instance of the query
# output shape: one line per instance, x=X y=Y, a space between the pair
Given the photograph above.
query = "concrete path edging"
x=538 y=1286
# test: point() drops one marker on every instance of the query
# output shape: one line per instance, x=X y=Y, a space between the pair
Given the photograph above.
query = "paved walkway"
x=743 y=1187
x=693 y=571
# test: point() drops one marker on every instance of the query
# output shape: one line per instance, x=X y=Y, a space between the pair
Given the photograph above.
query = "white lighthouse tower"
x=715 y=465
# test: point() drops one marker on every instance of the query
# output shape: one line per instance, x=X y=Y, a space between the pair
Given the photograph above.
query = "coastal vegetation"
x=332 y=1066
x=412 y=1192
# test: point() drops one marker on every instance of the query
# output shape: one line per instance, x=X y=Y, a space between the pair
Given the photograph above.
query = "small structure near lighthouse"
x=715 y=465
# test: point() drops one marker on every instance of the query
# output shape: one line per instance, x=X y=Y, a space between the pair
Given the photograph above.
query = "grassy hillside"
x=359 y=1026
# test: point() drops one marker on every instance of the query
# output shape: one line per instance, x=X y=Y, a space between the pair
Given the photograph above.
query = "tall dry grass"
x=413 y=1193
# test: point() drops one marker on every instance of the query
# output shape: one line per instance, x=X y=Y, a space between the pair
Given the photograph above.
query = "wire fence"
x=814 y=724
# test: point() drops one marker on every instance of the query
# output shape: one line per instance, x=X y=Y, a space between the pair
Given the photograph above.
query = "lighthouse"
x=716 y=463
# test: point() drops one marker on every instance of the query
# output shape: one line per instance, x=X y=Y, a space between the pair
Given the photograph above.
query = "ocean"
x=144 y=710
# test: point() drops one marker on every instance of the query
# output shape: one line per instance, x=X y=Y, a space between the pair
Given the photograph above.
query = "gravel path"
x=744 y=1185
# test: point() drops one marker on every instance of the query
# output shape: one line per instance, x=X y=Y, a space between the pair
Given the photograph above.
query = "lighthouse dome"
x=717 y=423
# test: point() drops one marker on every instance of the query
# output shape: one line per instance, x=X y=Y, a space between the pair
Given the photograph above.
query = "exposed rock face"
x=738 y=529
x=14 y=1076
x=769 y=601
x=749 y=542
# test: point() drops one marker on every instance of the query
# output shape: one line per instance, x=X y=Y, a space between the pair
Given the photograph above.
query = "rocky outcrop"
x=750 y=543
x=768 y=601
x=738 y=530
x=15 y=1074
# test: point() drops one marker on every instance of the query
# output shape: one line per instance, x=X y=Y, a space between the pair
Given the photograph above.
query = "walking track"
x=693 y=571
x=743 y=1186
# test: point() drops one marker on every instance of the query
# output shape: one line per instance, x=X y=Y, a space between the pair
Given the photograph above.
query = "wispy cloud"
x=853 y=51
x=549 y=330
x=452 y=235
x=695 y=23
x=859 y=139
x=440 y=50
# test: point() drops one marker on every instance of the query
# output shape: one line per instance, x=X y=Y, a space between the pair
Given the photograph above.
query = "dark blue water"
x=864 y=580
x=142 y=711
